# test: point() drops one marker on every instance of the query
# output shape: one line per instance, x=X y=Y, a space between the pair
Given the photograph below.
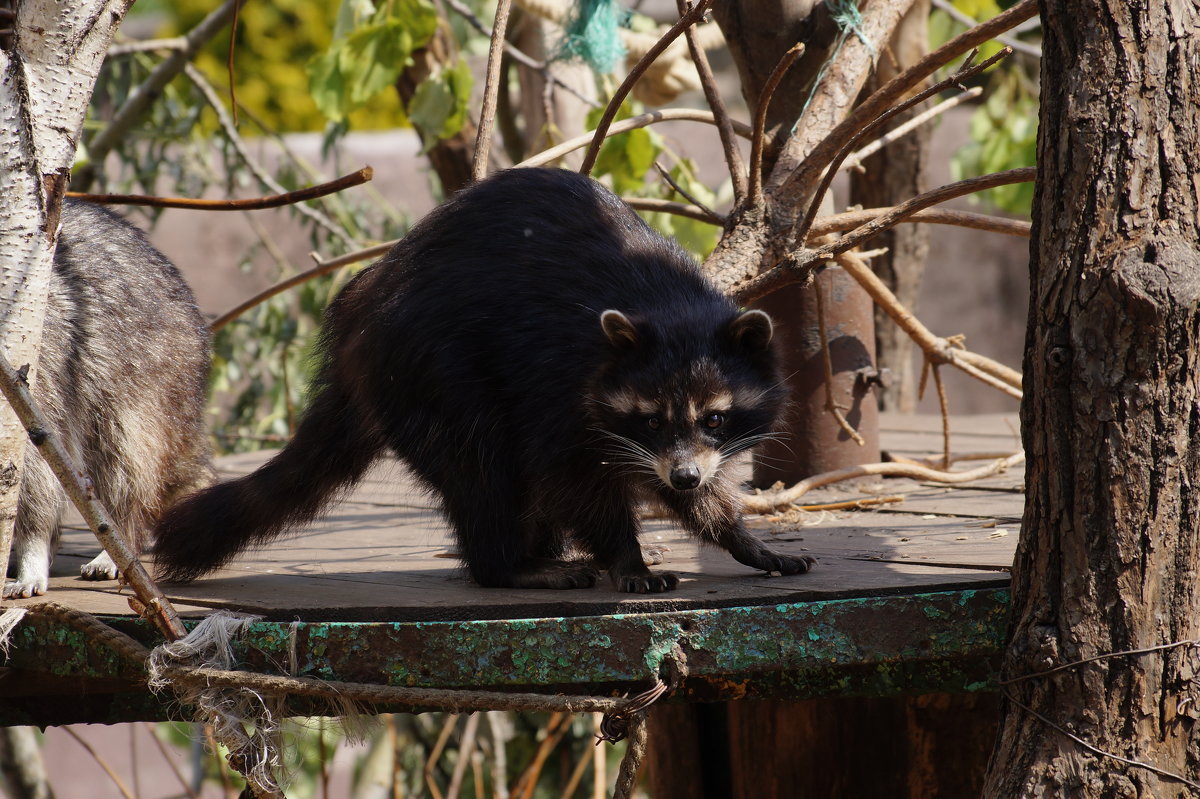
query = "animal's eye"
x=653 y=422
x=714 y=420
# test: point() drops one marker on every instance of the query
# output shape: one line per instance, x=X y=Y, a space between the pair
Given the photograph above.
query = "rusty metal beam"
x=872 y=646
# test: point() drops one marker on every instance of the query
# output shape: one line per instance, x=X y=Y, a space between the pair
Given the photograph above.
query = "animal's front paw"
x=771 y=561
x=23 y=589
x=655 y=583
x=100 y=567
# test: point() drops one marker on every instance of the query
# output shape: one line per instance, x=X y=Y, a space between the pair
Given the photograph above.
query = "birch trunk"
x=46 y=80
x=1110 y=548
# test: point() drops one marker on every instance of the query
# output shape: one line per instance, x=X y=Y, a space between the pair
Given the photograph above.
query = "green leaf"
x=370 y=59
x=439 y=106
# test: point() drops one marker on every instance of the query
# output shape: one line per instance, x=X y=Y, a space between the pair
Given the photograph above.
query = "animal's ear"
x=752 y=330
x=619 y=329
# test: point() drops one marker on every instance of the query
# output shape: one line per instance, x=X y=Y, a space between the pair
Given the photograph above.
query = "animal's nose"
x=684 y=478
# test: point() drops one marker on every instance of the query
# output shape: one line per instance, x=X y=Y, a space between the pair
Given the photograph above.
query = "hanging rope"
x=198 y=670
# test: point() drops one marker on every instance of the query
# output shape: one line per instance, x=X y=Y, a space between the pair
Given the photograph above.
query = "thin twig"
x=100 y=762
x=254 y=204
x=772 y=500
x=614 y=104
x=657 y=205
x=322 y=268
x=800 y=265
x=855 y=159
x=518 y=55
x=757 y=143
x=968 y=70
x=149 y=90
x=936 y=461
x=712 y=93
x=1095 y=750
x=491 y=90
x=639 y=121
x=233 y=26
x=944 y=407
x=687 y=195
x=837 y=223
x=827 y=361
x=436 y=753
x=170 y=761
x=260 y=174
x=556 y=727
x=970 y=22
x=466 y=747
x=146 y=46
x=797 y=182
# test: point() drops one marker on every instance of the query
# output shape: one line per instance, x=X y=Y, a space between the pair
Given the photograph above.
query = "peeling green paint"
x=945 y=641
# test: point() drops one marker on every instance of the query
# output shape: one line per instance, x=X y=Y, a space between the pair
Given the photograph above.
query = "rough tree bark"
x=1111 y=544
x=46 y=79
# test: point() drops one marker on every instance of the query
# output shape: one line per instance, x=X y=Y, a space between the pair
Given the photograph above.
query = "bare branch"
x=855 y=159
x=791 y=184
x=257 y=204
x=849 y=220
x=670 y=181
x=639 y=121
x=265 y=179
x=140 y=99
x=968 y=71
x=772 y=500
x=690 y=18
x=491 y=90
x=754 y=196
x=733 y=156
x=970 y=22
x=800 y=264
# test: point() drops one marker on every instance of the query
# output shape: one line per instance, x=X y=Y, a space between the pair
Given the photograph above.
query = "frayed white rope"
x=8 y=622
x=244 y=720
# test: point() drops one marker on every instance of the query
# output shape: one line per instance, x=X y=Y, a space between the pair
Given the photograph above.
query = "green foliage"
x=369 y=58
x=440 y=104
x=1003 y=129
x=628 y=158
x=274 y=43
x=1003 y=136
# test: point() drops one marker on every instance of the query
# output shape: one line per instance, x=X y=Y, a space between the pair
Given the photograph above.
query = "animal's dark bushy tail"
x=331 y=450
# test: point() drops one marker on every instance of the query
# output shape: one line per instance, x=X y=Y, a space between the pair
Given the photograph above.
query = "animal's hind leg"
x=484 y=500
x=35 y=537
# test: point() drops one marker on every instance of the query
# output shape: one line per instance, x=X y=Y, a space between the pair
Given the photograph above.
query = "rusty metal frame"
x=947 y=641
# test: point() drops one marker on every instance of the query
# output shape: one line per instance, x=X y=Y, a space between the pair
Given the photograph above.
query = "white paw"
x=32 y=560
x=22 y=589
x=101 y=567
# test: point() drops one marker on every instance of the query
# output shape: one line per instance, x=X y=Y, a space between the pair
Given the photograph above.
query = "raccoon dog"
x=542 y=360
x=121 y=378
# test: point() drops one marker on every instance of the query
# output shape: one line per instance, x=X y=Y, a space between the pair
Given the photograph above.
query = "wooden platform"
x=380 y=596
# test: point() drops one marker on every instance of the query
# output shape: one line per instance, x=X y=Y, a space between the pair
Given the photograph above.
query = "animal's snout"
x=685 y=477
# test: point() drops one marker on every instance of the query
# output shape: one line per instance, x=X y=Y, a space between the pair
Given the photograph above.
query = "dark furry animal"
x=543 y=360
x=121 y=378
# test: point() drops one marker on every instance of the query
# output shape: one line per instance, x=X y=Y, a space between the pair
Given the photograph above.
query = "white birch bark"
x=46 y=81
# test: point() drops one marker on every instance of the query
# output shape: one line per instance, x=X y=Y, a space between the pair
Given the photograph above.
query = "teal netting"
x=591 y=34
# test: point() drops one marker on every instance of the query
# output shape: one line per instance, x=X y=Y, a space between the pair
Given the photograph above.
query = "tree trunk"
x=46 y=80
x=1108 y=556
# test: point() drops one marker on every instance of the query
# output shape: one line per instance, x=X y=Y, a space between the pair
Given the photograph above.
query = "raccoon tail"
x=331 y=450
